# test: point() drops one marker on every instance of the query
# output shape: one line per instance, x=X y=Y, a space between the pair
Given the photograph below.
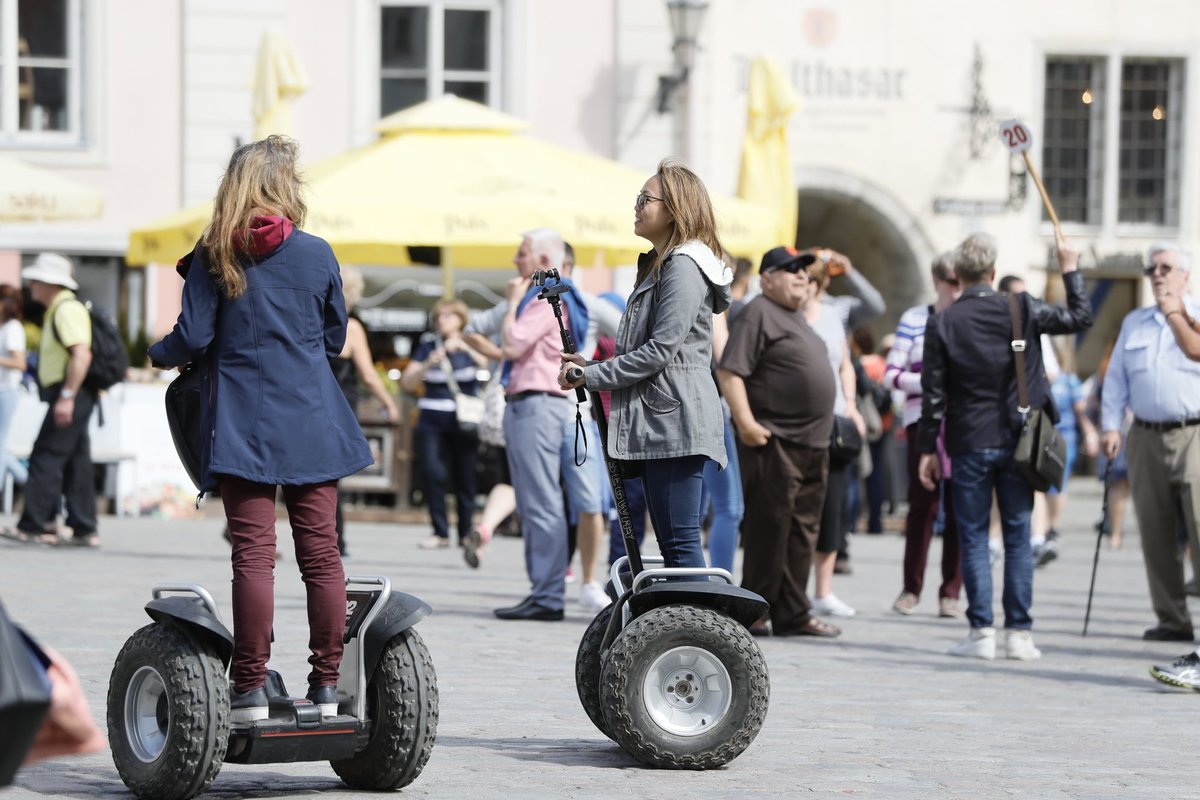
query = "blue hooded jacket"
x=270 y=399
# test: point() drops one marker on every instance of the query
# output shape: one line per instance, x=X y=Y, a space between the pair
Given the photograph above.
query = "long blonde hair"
x=686 y=198
x=261 y=180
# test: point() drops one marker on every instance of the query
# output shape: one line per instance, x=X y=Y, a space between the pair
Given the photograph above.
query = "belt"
x=532 y=393
x=1167 y=426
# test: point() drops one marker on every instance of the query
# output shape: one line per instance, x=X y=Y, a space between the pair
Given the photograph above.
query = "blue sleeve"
x=196 y=326
x=335 y=312
x=424 y=348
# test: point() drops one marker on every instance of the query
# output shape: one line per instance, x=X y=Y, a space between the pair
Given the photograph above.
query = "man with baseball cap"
x=60 y=464
x=776 y=378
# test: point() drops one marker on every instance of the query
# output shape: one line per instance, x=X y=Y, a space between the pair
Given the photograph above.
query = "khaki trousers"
x=1164 y=480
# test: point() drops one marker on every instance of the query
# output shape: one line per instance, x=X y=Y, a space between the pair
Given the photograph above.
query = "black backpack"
x=110 y=359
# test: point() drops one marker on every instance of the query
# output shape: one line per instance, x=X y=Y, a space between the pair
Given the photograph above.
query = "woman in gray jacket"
x=666 y=414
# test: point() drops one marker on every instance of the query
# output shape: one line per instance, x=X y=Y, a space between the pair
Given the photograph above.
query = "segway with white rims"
x=168 y=698
x=669 y=671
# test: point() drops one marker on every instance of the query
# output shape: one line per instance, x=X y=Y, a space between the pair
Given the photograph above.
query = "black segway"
x=669 y=671
x=168 y=698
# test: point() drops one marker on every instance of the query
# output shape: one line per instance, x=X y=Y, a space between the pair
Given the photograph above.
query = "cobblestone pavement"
x=880 y=713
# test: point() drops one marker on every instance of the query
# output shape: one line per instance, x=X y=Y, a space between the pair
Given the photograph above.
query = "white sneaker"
x=593 y=598
x=831 y=606
x=1019 y=645
x=981 y=643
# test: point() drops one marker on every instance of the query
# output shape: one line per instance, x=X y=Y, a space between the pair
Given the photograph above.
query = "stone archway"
x=880 y=236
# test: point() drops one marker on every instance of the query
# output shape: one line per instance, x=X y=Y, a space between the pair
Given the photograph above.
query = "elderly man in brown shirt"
x=776 y=379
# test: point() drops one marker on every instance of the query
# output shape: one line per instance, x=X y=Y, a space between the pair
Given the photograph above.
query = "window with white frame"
x=1148 y=165
x=1134 y=128
x=438 y=47
x=40 y=71
x=1073 y=137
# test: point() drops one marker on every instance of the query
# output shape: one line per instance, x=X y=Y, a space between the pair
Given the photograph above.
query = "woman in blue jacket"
x=263 y=307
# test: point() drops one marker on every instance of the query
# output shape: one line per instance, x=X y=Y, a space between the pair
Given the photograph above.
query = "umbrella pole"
x=1102 y=527
x=447 y=273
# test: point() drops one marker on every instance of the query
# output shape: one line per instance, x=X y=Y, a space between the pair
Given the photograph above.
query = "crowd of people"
x=767 y=420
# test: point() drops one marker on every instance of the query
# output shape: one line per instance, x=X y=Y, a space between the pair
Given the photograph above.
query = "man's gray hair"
x=547 y=242
x=1185 y=259
x=975 y=258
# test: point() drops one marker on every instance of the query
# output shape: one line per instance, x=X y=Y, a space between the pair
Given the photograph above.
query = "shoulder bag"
x=491 y=426
x=468 y=409
x=845 y=441
x=1041 y=454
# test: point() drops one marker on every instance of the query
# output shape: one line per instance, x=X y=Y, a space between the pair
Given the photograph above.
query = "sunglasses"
x=644 y=198
x=1157 y=269
x=794 y=268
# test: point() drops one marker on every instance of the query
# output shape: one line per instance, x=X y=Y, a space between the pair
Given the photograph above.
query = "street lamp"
x=686 y=19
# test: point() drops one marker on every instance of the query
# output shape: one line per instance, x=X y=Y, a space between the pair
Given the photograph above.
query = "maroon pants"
x=250 y=510
x=918 y=530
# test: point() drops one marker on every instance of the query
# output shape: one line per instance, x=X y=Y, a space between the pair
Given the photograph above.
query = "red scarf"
x=266 y=234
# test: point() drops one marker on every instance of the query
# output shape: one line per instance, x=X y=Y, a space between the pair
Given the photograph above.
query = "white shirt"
x=12 y=341
x=1149 y=374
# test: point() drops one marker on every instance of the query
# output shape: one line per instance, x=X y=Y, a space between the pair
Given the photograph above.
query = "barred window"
x=1073 y=139
x=1149 y=141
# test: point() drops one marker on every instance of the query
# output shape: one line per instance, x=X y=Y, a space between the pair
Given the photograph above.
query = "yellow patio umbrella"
x=766 y=170
x=457 y=175
x=29 y=193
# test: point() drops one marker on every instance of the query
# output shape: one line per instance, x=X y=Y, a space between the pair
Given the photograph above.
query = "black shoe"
x=248 y=706
x=325 y=698
x=1045 y=554
x=1160 y=634
x=1189 y=587
x=528 y=601
x=842 y=567
x=1051 y=535
x=532 y=611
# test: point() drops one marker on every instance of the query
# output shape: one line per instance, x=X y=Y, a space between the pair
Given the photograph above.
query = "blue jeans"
x=723 y=487
x=673 y=487
x=976 y=475
x=8 y=463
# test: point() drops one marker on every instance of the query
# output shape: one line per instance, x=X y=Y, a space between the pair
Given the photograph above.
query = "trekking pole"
x=1102 y=527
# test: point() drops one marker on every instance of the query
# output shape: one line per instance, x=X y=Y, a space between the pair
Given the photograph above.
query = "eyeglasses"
x=1152 y=269
x=951 y=281
x=795 y=268
x=644 y=198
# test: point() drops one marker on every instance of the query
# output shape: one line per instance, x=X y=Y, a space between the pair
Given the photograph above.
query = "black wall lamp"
x=686 y=18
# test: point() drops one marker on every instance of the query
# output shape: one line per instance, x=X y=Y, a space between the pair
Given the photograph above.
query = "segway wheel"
x=168 y=714
x=402 y=707
x=587 y=669
x=684 y=687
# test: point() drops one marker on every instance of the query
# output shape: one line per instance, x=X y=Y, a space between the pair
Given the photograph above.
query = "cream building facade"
x=895 y=151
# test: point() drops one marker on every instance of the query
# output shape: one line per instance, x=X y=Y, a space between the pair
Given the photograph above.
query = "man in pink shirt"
x=533 y=427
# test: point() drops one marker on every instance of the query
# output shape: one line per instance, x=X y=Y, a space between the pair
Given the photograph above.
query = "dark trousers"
x=784 y=487
x=60 y=465
x=448 y=456
x=923 y=507
x=250 y=511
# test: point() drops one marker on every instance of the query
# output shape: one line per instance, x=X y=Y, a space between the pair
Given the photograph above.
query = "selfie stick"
x=550 y=293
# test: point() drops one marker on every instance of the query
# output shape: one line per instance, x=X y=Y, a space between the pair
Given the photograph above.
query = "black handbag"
x=1041 y=453
x=845 y=441
x=184 y=418
x=24 y=695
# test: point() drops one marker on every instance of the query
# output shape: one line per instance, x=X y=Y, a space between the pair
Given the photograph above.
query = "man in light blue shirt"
x=1149 y=374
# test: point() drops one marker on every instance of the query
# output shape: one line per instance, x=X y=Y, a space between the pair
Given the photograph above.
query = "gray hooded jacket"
x=664 y=399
